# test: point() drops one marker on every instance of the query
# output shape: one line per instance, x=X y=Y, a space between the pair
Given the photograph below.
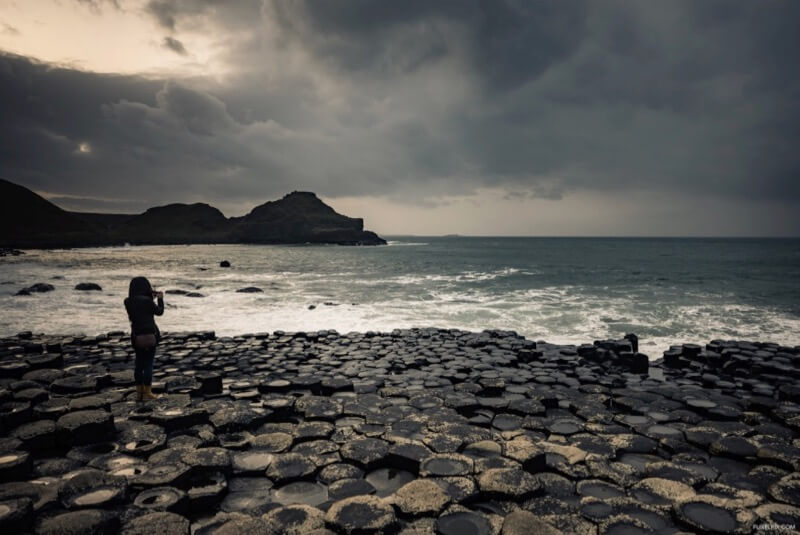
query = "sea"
x=559 y=290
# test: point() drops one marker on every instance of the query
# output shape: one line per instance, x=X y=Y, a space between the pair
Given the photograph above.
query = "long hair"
x=140 y=286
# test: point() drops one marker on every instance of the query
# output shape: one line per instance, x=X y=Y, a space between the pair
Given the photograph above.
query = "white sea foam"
x=366 y=297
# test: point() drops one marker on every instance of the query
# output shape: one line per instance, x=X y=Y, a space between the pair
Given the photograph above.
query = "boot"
x=139 y=392
x=147 y=393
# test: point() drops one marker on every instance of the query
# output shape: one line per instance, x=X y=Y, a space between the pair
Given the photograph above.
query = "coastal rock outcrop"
x=29 y=221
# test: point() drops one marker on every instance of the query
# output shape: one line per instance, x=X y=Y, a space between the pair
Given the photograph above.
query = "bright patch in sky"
x=100 y=38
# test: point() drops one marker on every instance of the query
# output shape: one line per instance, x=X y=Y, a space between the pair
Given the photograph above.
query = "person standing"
x=145 y=335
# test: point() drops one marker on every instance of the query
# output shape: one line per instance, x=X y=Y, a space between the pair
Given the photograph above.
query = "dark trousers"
x=143 y=367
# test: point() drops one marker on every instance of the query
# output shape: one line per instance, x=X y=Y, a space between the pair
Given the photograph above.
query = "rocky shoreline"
x=410 y=431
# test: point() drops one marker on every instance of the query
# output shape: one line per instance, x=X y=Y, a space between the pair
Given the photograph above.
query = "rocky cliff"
x=29 y=221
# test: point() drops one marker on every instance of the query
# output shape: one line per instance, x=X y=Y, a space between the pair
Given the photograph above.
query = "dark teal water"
x=557 y=289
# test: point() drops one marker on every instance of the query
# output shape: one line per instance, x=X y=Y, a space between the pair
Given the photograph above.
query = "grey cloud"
x=417 y=100
x=175 y=45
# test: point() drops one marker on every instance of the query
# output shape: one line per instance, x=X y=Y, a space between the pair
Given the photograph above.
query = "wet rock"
x=251 y=462
x=463 y=522
x=710 y=514
x=250 y=290
x=88 y=287
x=165 y=499
x=446 y=464
x=361 y=514
x=39 y=287
x=301 y=492
x=93 y=489
x=162 y=523
x=163 y=475
x=225 y=264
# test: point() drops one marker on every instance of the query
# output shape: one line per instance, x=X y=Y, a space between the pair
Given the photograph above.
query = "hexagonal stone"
x=142 y=439
x=786 y=490
x=361 y=514
x=346 y=488
x=172 y=418
x=37 y=436
x=522 y=522
x=297 y=519
x=337 y=471
x=237 y=418
x=286 y=467
x=710 y=514
x=94 y=521
x=462 y=522
x=162 y=523
x=85 y=427
x=527 y=452
x=205 y=460
x=301 y=492
x=15 y=465
x=420 y=497
x=74 y=384
x=368 y=453
x=16 y=516
x=166 y=499
x=660 y=492
x=446 y=464
x=508 y=484
x=272 y=442
x=93 y=489
x=163 y=475
x=251 y=462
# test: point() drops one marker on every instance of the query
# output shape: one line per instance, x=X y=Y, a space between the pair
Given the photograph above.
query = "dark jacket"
x=141 y=308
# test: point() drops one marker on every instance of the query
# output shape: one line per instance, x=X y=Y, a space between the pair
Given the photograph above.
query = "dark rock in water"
x=361 y=514
x=312 y=307
x=88 y=287
x=225 y=264
x=39 y=287
x=176 y=291
x=250 y=290
x=194 y=294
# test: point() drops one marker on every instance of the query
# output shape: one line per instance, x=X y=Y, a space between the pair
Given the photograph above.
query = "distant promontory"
x=29 y=221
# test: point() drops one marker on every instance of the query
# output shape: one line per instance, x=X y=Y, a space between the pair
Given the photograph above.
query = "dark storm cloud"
x=176 y=46
x=419 y=99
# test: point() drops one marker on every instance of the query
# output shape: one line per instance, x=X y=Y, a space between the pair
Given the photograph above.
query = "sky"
x=475 y=117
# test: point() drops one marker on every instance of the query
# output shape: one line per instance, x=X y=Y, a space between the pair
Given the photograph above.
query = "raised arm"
x=158 y=308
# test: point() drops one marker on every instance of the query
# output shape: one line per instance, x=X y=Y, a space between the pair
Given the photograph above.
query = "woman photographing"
x=145 y=335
